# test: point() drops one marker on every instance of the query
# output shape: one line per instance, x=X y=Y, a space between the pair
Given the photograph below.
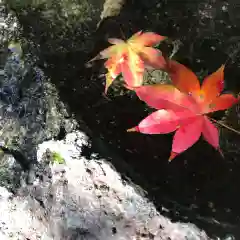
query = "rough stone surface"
x=82 y=199
x=30 y=109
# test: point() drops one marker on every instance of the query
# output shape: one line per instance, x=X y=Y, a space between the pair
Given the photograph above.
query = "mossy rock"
x=62 y=26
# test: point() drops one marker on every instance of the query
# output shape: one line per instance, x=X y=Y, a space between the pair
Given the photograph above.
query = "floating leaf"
x=183 y=107
x=131 y=57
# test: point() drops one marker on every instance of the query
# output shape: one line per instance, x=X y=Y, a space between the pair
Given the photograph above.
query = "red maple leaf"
x=183 y=107
x=131 y=56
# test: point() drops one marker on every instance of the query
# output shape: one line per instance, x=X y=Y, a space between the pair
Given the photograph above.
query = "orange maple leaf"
x=131 y=56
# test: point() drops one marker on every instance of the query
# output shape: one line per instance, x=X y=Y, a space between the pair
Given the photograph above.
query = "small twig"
x=122 y=33
x=224 y=125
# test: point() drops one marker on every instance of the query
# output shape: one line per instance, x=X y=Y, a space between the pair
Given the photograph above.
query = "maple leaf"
x=183 y=107
x=131 y=57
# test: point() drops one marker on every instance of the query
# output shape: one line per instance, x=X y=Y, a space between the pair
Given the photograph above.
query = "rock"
x=10 y=172
x=82 y=199
x=8 y=25
x=16 y=221
x=30 y=109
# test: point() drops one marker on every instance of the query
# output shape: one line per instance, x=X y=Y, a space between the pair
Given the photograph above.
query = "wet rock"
x=30 y=108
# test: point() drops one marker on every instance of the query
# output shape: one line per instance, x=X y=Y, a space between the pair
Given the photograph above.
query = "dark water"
x=199 y=186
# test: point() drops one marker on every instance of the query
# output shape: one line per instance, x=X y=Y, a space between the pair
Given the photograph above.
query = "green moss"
x=57 y=158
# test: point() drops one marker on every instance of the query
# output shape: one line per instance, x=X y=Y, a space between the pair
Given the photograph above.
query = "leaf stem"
x=224 y=125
